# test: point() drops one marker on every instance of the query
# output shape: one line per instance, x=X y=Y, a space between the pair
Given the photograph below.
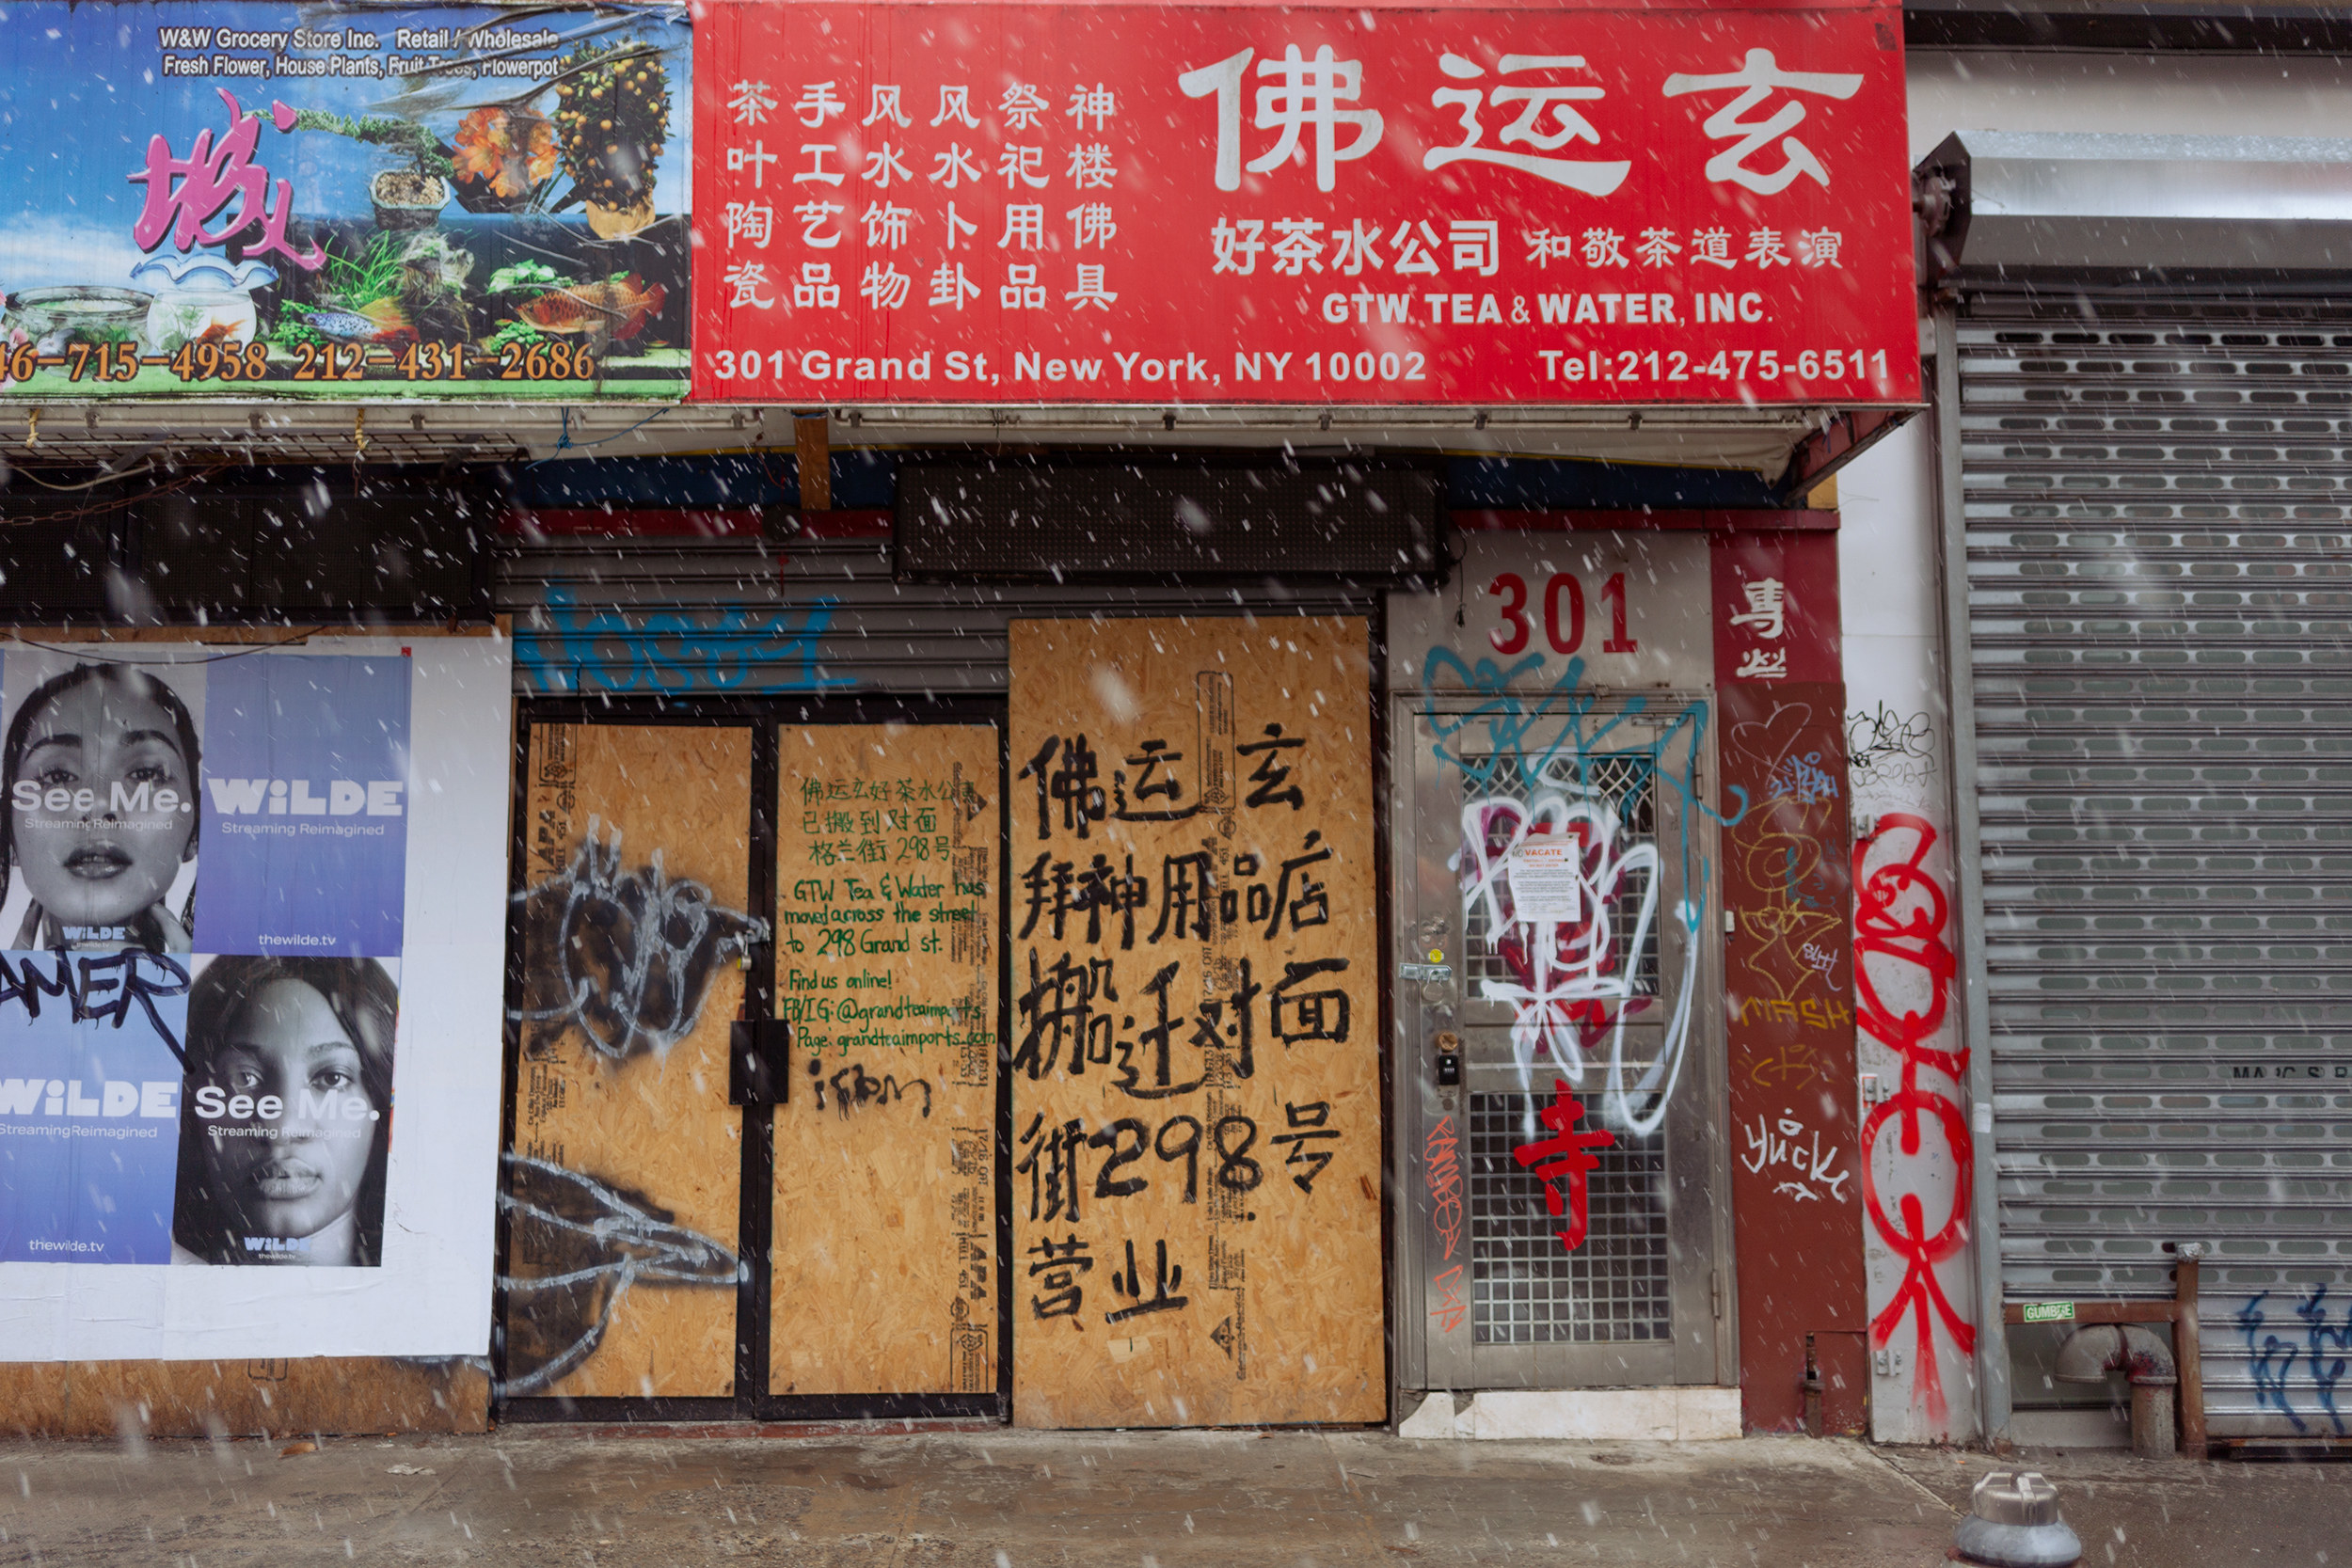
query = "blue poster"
x=90 y=1083
x=203 y=873
x=305 y=807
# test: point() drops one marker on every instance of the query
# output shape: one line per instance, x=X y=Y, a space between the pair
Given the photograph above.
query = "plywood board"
x=241 y=1399
x=885 y=1275
x=625 y=1177
x=1193 y=959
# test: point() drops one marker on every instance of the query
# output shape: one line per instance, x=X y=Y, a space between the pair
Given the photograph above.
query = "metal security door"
x=1547 y=945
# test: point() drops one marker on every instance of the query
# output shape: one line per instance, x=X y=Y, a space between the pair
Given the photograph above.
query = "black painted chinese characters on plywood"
x=1191 y=959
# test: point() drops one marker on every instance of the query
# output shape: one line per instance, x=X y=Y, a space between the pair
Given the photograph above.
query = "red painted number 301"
x=1563 y=613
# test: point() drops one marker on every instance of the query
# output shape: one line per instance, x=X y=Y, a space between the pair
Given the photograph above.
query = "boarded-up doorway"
x=1174 y=1097
x=836 y=1249
x=885 y=1279
x=1193 y=955
x=624 y=1176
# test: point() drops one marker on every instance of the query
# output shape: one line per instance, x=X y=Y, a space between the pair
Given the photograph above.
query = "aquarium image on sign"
x=448 y=202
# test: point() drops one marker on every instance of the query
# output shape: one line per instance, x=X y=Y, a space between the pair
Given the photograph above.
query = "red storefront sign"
x=1165 y=204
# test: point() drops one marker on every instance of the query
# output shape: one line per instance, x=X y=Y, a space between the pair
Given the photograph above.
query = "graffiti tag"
x=1899 y=930
x=1567 y=1153
x=1439 y=1153
x=1775 y=1145
x=1800 y=778
x=590 y=1243
x=563 y=647
x=1886 y=750
x=1567 y=990
x=626 y=958
x=1451 y=1308
x=2273 y=1360
x=1569 y=987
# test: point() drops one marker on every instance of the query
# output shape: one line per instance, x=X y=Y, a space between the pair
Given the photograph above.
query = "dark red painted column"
x=1788 y=979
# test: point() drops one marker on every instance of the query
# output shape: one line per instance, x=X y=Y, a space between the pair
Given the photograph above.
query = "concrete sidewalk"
x=2247 y=1514
x=1005 y=1499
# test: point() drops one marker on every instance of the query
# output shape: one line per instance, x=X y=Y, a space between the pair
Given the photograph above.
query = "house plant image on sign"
x=444 y=202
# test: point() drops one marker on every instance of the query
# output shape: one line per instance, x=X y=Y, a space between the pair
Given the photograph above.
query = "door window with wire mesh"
x=1579 y=980
x=1608 y=802
x=1525 y=1287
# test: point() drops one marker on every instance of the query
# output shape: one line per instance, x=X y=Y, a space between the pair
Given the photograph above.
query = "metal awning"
x=1799 y=441
x=2001 y=205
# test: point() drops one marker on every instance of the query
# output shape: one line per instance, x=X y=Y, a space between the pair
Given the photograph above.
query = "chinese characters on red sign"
x=1114 y=203
x=1775 y=599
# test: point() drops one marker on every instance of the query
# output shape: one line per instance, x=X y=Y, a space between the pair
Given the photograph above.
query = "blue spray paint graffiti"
x=1582 y=743
x=1554 y=767
x=567 y=648
x=2272 y=1359
x=1802 y=779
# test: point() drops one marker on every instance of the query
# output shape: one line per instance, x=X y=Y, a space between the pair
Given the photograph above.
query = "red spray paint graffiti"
x=1439 y=1154
x=1899 y=925
x=1566 y=1152
x=1450 y=1308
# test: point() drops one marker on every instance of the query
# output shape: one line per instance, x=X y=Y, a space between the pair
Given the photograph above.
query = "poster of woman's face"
x=99 y=778
x=286 y=1116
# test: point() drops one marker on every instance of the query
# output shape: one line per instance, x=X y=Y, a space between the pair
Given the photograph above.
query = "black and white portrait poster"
x=252 y=902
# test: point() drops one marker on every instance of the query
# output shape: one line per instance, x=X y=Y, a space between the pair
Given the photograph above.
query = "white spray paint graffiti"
x=589 y=1243
x=1781 y=1144
x=1572 y=988
x=1575 y=987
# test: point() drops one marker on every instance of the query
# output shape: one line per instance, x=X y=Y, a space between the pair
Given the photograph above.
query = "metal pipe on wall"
x=1993 y=1382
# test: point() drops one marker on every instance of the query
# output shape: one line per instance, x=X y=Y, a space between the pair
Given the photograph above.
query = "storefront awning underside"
x=1760 y=440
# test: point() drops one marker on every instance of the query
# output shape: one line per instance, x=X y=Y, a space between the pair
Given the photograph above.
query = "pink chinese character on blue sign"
x=184 y=194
